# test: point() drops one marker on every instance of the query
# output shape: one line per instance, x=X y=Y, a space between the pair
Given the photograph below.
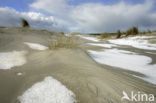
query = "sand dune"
x=74 y=68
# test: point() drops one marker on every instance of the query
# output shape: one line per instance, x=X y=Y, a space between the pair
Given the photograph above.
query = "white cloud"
x=85 y=17
x=96 y=17
x=57 y=7
x=11 y=17
x=100 y=18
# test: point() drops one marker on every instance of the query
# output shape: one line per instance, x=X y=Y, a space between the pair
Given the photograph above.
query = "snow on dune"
x=89 y=38
x=151 y=53
x=48 y=91
x=19 y=74
x=67 y=34
x=140 y=42
x=126 y=60
x=11 y=59
x=142 y=37
x=36 y=46
x=103 y=45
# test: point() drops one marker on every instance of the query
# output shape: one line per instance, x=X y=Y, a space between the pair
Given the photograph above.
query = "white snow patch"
x=68 y=34
x=137 y=42
x=48 y=91
x=103 y=45
x=11 y=59
x=151 y=53
x=151 y=80
x=142 y=37
x=19 y=74
x=36 y=46
x=127 y=60
x=89 y=38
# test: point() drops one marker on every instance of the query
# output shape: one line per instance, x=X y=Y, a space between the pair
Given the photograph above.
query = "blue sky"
x=20 y=5
x=80 y=15
x=23 y=5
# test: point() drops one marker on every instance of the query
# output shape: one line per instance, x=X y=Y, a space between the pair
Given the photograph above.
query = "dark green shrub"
x=143 y=32
x=128 y=32
x=118 y=34
x=25 y=23
x=132 y=31
x=149 y=31
x=105 y=35
x=135 y=30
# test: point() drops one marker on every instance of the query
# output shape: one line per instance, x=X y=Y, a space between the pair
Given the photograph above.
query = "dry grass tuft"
x=64 y=42
x=105 y=35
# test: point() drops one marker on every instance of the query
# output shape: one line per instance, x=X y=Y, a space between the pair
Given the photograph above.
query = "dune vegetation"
x=25 y=23
x=63 y=42
x=129 y=32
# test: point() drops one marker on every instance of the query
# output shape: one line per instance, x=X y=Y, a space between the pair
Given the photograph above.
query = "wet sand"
x=91 y=82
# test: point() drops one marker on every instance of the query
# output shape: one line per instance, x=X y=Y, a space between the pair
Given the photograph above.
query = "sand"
x=89 y=81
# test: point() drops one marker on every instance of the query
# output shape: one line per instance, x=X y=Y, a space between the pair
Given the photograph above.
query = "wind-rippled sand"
x=80 y=78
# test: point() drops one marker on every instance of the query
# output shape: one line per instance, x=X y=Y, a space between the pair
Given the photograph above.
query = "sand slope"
x=89 y=81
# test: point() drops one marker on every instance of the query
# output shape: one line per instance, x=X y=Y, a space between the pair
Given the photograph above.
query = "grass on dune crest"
x=133 y=31
x=105 y=35
x=64 y=42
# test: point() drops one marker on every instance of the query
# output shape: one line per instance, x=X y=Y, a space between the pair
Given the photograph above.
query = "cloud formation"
x=57 y=7
x=96 y=17
x=11 y=17
x=86 y=17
